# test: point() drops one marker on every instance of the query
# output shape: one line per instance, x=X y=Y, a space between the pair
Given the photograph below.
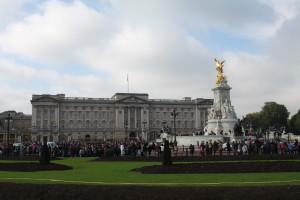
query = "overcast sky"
x=87 y=48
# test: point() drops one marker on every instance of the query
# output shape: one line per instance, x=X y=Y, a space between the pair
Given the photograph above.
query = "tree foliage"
x=295 y=123
x=252 y=120
x=272 y=115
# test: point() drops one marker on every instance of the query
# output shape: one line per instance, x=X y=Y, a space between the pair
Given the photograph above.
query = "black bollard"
x=167 y=159
x=45 y=154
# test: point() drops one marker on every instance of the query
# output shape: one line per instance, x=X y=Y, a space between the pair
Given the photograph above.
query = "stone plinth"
x=222 y=118
x=196 y=140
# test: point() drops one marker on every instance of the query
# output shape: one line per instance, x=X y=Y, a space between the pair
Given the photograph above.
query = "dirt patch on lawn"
x=31 y=167
x=222 y=167
x=25 y=158
x=9 y=191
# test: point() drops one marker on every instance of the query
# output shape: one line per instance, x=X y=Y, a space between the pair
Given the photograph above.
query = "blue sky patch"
x=218 y=41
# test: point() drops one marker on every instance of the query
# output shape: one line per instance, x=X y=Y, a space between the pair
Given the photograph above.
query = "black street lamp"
x=164 y=126
x=126 y=127
x=174 y=115
x=144 y=126
x=8 y=120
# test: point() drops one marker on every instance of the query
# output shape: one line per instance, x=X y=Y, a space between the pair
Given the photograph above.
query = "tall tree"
x=274 y=115
x=295 y=123
x=252 y=120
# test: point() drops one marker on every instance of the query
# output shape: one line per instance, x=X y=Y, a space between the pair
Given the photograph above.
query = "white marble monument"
x=222 y=117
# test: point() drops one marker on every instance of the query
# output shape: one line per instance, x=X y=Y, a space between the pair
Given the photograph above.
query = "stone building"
x=124 y=115
x=19 y=127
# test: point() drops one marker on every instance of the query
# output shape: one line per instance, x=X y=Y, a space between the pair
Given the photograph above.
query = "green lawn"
x=87 y=171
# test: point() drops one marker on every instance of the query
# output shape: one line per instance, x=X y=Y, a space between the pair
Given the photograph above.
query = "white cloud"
x=251 y=18
x=272 y=77
x=13 y=98
x=12 y=10
x=19 y=82
x=150 y=40
x=58 y=34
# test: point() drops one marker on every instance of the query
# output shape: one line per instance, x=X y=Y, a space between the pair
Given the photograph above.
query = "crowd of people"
x=137 y=148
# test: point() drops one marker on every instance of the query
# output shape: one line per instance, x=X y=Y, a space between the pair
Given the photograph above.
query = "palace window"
x=71 y=124
x=38 y=124
x=62 y=124
x=88 y=124
x=45 y=124
x=95 y=124
x=103 y=123
x=45 y=113
x=76 y=115
x=178 y=124
x=158 y=123
x=192 y=114
x=185 y=114
x=38 y=113
x=79 y=122
x=71 y=114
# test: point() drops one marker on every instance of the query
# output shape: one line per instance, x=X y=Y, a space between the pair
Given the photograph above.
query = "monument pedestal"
x=222 y=118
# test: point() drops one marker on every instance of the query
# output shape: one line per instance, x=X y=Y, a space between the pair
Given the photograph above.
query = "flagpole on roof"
x=127 y=83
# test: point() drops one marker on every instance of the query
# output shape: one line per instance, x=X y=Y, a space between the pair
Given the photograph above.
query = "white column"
x=135 y=125
x=128 y=117
x=197 y=125
x=49 y=118
x=117 y=118
x=34 y=115
x=122 y=118
x=57 y=117
x=142 y=117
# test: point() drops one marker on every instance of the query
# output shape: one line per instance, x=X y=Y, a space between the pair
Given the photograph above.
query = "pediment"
x=132 y=99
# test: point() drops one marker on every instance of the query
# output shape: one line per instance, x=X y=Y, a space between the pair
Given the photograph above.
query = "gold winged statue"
x=220 y=76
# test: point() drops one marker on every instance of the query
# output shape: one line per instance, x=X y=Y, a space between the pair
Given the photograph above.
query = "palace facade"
x=124 y=115
x=18 y=127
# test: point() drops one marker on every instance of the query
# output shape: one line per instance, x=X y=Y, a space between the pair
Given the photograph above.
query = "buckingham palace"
x=123 y=116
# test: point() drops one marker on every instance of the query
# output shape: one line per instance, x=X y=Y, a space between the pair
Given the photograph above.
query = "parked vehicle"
x=52 y=145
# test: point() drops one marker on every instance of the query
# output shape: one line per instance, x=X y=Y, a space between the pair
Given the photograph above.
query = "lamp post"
x=53 y=133
x=164 y=126
x=8 y=120
x=174 y=115
x=144 y=125
x=126 y=127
